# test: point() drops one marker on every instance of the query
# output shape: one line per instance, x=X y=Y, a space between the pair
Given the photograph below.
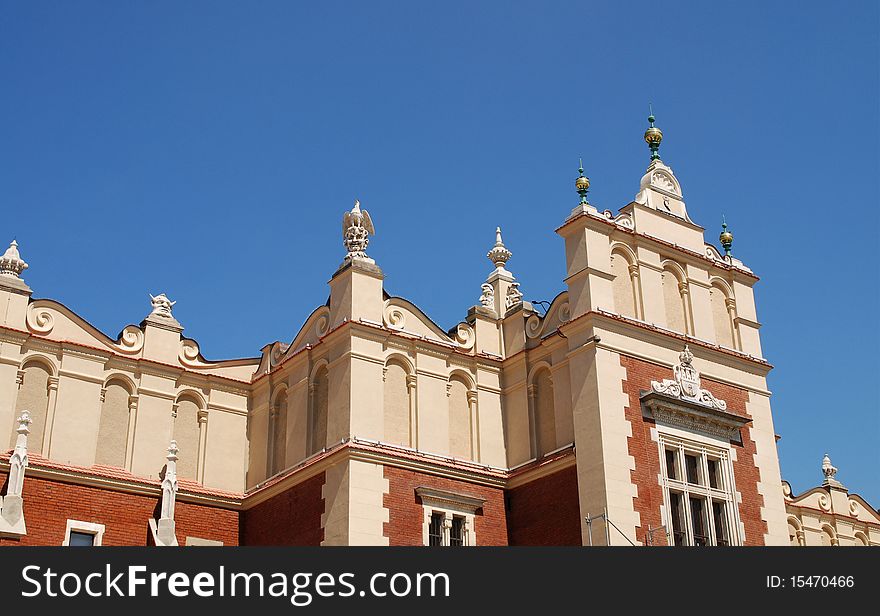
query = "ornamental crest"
x=686 y=375
x=686 y=384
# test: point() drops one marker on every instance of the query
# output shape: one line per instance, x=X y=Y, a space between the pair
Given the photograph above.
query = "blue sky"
x=208 y=150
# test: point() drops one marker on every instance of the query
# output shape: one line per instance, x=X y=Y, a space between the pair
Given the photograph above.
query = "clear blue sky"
x=208 y=150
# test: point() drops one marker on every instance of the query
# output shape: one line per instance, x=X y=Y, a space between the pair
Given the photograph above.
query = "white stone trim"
x=91 y=528
x=451 y=505
x=719 y=449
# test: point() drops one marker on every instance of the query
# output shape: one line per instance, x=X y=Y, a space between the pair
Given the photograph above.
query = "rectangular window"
x=699 y=492
x=456 y=535
x=80 y=533
x=671 y=470
x=699 y=521
x=690 y=463
x=714 y=473
x=719 y=512
x=435 y=529
x=82 y=539
x=677 y=513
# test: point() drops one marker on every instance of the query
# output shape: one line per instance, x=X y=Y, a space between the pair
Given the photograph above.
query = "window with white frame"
x=86 y=534
x=698 y=491
x=449 y=517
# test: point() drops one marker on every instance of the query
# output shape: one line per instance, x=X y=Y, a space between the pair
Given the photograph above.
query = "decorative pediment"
x=686 y=384
x=682 y=402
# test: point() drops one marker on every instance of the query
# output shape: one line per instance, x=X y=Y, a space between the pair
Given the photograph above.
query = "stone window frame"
x=450 y=505
x=89 y=528
x=726 y=494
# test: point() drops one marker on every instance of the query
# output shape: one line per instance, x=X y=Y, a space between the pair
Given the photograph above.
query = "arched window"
x=319 y=391
x=828 y=536
x=460 y=445
x=396 y=404
x=861 y=539
x=545 y=414
x=186 y=433
x=33 y=396
x=623 y=286
x=721 y=316
x=675 y=300
x=113 y=424
x=278 y=433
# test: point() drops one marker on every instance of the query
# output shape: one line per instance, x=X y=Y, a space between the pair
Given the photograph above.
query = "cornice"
x=651 y=239
x=135 y=485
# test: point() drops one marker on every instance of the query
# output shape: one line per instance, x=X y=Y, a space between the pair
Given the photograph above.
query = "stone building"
x=634 y=410
x=829 y=515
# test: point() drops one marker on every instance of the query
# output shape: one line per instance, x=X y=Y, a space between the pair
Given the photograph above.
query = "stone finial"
x=169 y=482
x=357 y=226
x=499 y=255
x=164 y=530
x=161 y=306
x=12 y=504
x=18 y=461
x=11 y=263
x=830 y=472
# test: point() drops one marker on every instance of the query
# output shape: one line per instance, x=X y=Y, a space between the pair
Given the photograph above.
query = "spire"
x=726 y=237
x=653 y=137
x=11 y=263
x=499 y=255
x=582 y=183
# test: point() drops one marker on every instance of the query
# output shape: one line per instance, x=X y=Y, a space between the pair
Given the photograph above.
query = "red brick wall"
x=639 y=375
x=545 y=511
x=406 y=515
x=48 y=504
x=290 y=518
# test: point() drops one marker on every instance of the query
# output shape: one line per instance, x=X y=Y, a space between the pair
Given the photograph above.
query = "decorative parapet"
x=682 y=402
x=12 y=506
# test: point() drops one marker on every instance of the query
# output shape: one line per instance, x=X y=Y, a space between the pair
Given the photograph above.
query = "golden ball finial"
x=726 y=238
x=653 y=137
x=582 y=183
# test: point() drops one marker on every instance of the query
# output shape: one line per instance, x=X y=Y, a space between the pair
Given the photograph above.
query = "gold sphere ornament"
x=653 y=137
x=582 y=183
x=726 y=238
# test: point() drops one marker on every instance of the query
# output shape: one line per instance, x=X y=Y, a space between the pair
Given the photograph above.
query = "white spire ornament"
x=357 y=226
x=164 y=531
x=499 y=255
x=830 y=473
x=11 y=263
x=11 y=504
